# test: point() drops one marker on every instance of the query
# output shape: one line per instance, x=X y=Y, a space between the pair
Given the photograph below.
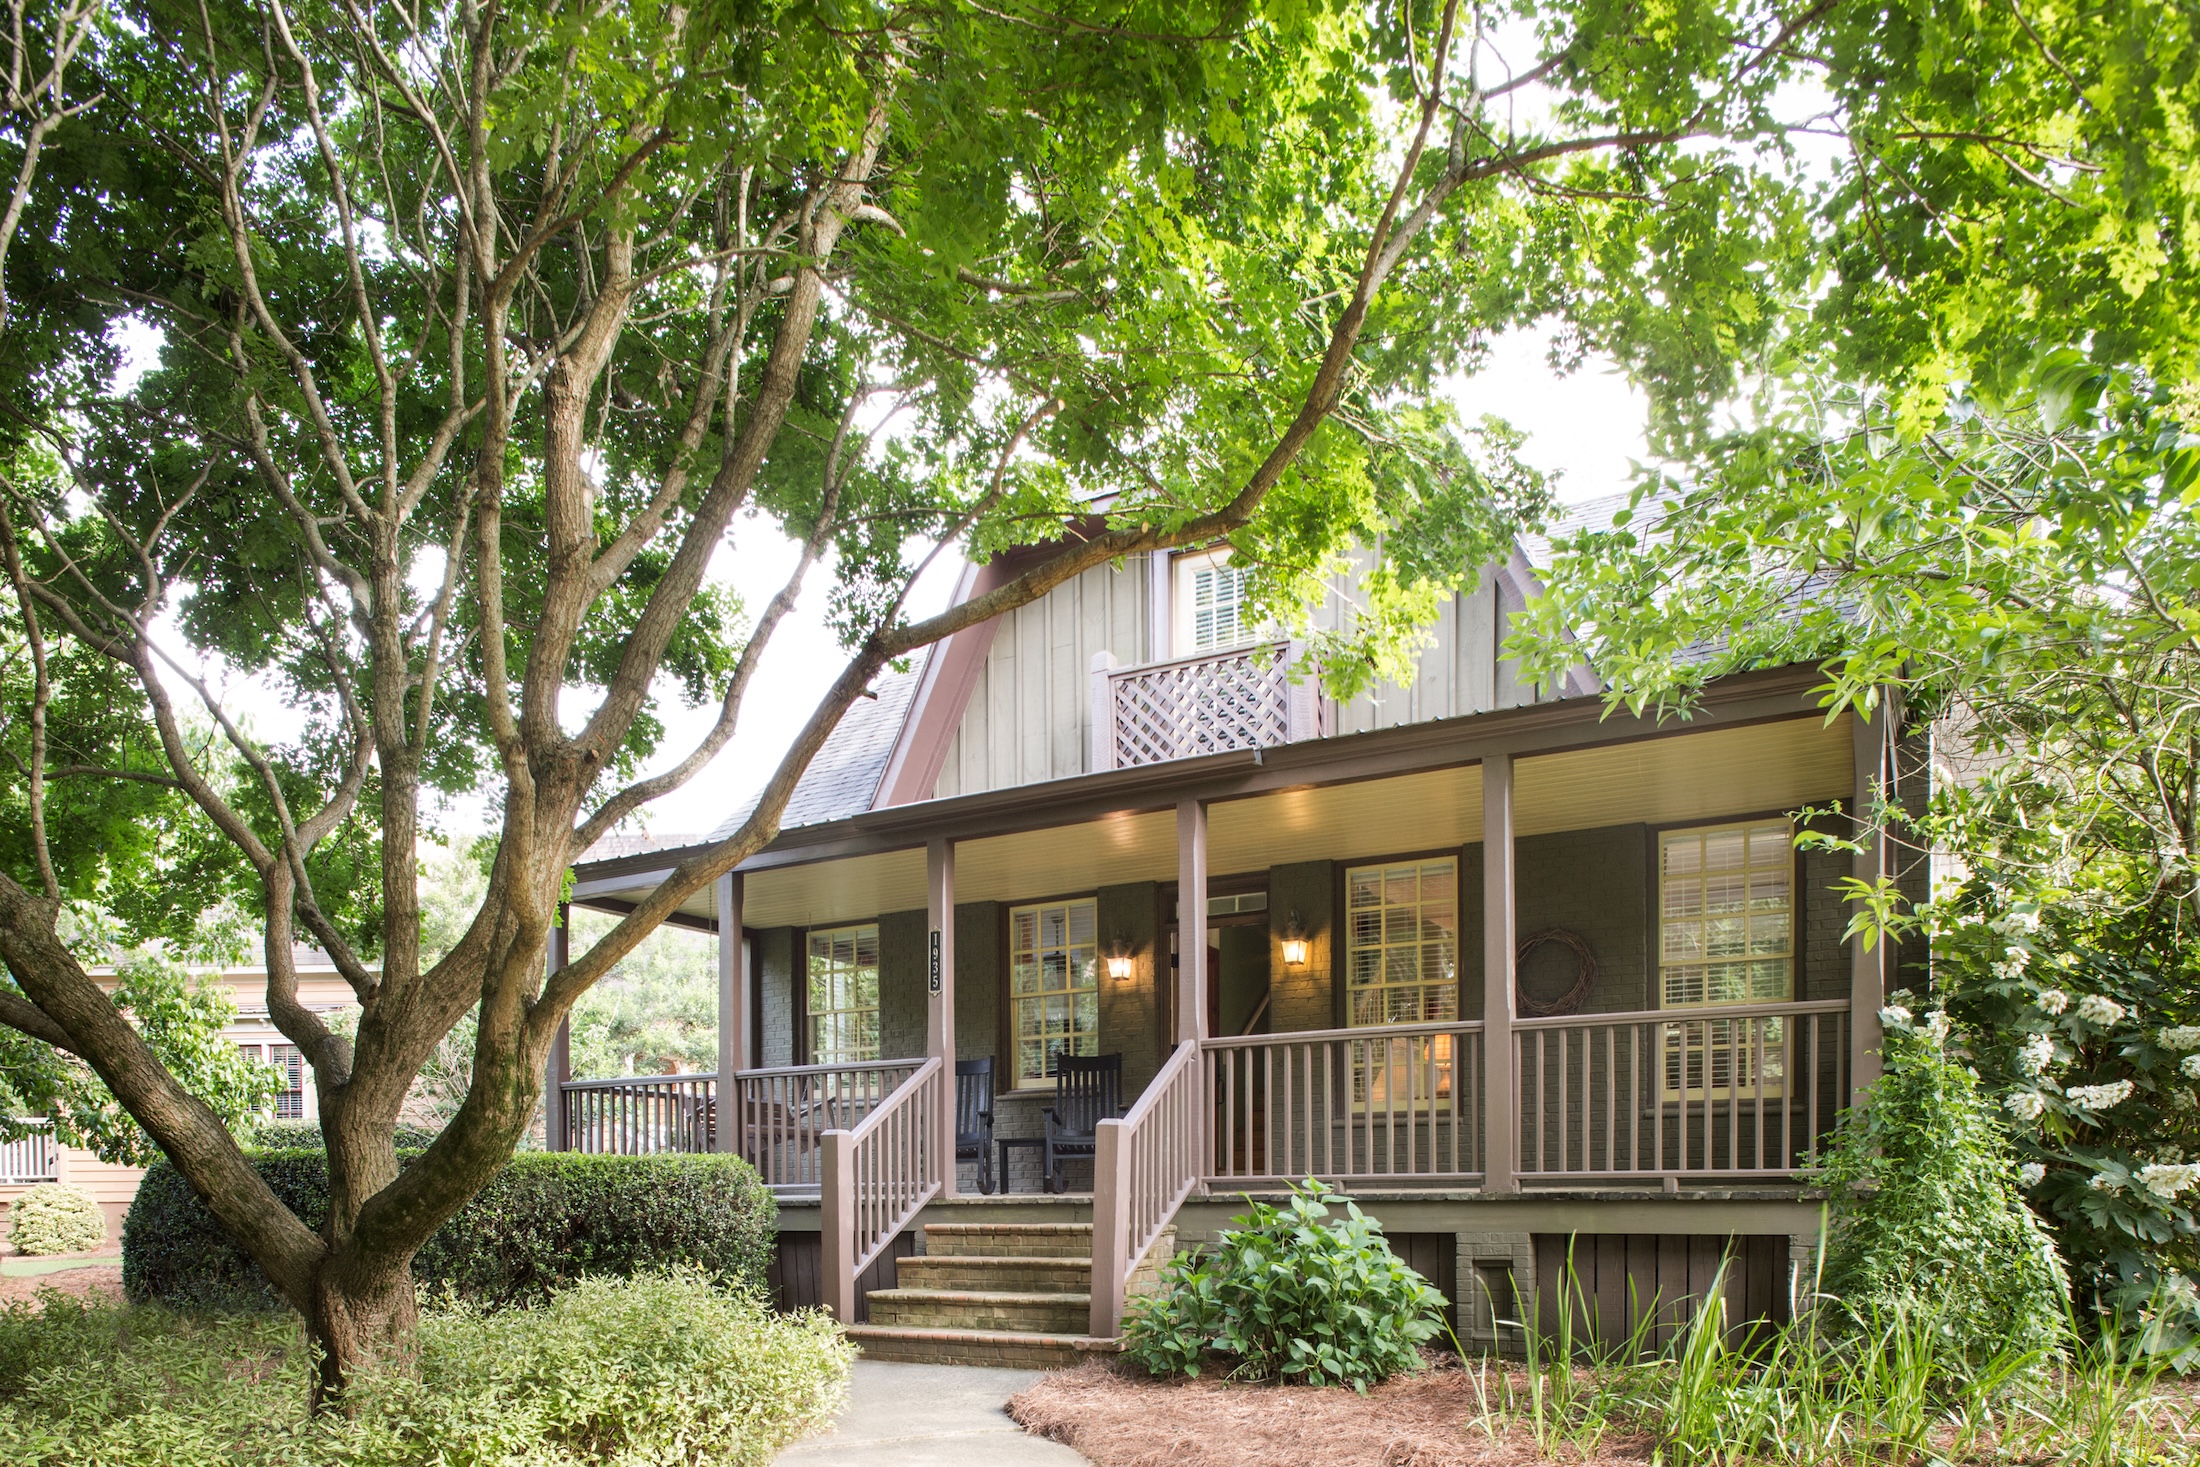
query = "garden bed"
x=98 y=1283
x=1121 y=1418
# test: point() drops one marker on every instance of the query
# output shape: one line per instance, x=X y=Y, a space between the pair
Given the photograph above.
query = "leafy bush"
x=56 y=1218
x=662 y=1368
x=547 y=1219
x=1287 y=1291
x=271 y=1135
x=1927 y=1220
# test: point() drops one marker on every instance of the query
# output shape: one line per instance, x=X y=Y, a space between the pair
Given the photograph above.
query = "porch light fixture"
x=1294 y=942
x=1119 y=961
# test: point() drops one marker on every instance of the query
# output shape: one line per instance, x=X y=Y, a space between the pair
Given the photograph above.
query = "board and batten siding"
x=1029 y=715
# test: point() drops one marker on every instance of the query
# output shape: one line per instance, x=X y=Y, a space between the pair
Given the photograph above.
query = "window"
x=1726 y=917
x=290 y=1099
x=1211 y=599
x=1054 y=984
x=1402 y=967
x=843 y=995
x=1726 y=903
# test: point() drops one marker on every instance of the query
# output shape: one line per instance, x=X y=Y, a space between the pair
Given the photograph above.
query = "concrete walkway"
x=930 y=1416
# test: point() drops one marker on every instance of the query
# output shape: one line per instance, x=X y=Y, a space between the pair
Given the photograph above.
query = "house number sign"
x=932 y=972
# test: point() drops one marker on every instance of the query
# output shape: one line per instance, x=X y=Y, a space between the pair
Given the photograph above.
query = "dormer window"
x=1210 y=597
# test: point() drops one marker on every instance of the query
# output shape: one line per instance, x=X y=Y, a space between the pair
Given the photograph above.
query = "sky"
x=1586 y=428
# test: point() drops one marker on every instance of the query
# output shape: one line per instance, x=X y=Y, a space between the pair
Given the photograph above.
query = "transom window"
x=843 y=994
x=1403 y=941
x=1726 y=904
x=1054 y=984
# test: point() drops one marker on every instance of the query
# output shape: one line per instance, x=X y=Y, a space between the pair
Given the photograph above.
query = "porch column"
x=1500 y=1095
x=559 y=1068
x=939 y=983
x=1191 y=920
x=733 y=1012
x=1868 y=968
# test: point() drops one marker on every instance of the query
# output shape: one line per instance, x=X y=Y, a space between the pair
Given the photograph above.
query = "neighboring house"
x=1508 y=969
x=39 y=1158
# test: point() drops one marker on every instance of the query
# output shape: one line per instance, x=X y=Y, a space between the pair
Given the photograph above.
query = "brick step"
x=1024 y=1275
x=1017 y=1349
x=981 y=1309
x=1008 y=1240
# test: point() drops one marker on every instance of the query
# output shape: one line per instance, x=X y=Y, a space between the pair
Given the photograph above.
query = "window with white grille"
x=1211 y=612
x=290 y=1099
x=1402 y=967
x=1726 y=924
x=1054 y=984
x=843 y=995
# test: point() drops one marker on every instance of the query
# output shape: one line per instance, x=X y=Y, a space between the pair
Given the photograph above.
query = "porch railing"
x=639 y=1115
x=876 y=1178
x=30 y=1158
x=1144 y=1166
x=1386 y=1105
x=1239 y=699
x=1740 y=1091
x=782 y=1114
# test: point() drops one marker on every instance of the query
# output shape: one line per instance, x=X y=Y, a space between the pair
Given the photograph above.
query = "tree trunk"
x=365 y=1317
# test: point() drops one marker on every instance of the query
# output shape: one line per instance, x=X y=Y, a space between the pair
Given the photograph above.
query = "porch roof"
x=1757 y=743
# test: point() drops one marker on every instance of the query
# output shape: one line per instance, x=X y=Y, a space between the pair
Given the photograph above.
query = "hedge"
x=546 y=1220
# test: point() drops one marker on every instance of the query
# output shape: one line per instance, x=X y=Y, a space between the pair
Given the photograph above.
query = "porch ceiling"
x=1705 y=775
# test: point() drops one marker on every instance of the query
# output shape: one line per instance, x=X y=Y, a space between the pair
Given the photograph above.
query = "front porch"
x=1447 y=967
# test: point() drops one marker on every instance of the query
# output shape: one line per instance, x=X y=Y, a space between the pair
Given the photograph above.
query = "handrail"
x=635 y=1082
x=1282 y=649
x=1144 y=1166
x=1369 y=1032
x=1690 y=1014
x=875 y=1179
x=839 y=1067
x=780 y=1114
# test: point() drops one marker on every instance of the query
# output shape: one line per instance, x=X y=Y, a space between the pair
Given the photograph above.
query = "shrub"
x=1927 y=1220
x=270 y=1135
x=547 y=1219
x=662 y=1368
x=1289 y=1292
x=56 y=1218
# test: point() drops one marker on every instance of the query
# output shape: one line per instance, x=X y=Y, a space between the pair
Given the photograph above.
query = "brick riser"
x=1057 y=1314
x=1015 y=1350
x=1008 y=1240
x=1026 y=1275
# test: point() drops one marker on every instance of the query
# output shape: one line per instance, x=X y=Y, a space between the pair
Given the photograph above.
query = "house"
x=39 y=1157
x=1533 y=983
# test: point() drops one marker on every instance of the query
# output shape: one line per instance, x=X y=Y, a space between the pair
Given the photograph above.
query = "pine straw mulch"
x=101 y=1282
x=1120 y=1418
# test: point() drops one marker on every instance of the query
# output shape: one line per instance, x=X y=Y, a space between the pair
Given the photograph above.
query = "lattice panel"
x=1185 y=709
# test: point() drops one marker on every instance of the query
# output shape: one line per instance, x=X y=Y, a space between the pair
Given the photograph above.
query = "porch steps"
x=1016 y=1294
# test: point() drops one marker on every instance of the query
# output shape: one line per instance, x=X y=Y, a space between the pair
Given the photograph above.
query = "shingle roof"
x=843 y=779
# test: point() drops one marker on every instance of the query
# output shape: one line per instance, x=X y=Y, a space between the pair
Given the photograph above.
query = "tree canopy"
x=482 y=328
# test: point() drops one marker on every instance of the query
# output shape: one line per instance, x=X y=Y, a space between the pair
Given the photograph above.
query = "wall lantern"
x=1294 y=942
x=1120 y=963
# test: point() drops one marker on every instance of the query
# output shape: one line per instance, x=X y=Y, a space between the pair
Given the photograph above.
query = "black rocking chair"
x=1087 y=1091
x=974 y=1117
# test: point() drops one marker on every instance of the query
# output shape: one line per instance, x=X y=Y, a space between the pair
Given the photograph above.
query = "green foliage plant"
x=56 y=1218
x=661 y=1369
x=1289 y=1292
x=544 y=1222
x=1927 y=1221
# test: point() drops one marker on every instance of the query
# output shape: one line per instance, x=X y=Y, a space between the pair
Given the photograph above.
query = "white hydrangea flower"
x=2100 y=1097
x=2102 y=1182
x=1894 y=1016
x=2018 y=958
x=1936 y=1026
x=2026 y=1105
x=2183 y=1099
x=2166 y=1181
x=2106 y=1012
x=2184 y=1036
x=2036 y=1054
x=2052 y=1001
x=2191 y=1066
x=2030 y=1173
